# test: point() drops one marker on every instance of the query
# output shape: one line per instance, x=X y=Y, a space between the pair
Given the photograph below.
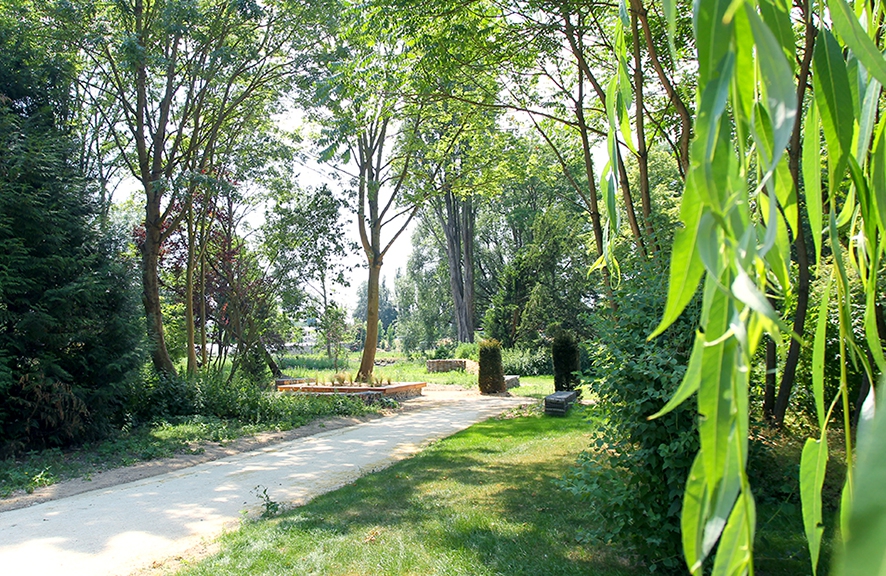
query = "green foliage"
x=636 y=468
x=527 y=361
x=566 y=359
x=215 y=396
x=468 y=351
x=491 y=377
x=69 y=332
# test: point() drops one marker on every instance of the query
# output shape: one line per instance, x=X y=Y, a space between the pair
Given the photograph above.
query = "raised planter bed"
x=398 y=391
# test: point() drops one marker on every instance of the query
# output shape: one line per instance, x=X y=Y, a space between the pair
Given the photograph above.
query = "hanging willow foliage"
x=740 y=209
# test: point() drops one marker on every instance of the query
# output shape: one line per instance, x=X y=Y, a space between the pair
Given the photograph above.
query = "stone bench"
x=558 y=403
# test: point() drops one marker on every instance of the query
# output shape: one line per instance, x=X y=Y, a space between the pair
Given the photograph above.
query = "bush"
x=525 y=362
x=635 y=471
x=566 y=359
x=491 y=377
x=467 y=351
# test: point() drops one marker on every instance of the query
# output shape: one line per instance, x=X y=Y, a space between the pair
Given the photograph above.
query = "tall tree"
x=185 y=77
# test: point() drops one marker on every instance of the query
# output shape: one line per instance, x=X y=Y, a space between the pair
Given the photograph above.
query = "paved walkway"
x=126 y=528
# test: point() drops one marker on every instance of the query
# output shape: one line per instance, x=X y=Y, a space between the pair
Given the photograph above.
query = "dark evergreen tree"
x=68 y=326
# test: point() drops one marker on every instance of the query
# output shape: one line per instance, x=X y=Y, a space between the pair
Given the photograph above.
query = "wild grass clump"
x=527 y=362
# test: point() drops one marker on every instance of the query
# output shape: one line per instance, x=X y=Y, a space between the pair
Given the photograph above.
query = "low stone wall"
x=452 y=364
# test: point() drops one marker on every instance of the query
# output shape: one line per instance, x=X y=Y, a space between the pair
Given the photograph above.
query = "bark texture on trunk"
x=456 y=217
x=367 y=363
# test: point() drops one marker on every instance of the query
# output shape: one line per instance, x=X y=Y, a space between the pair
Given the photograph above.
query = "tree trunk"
x=803 y=264
x=367 y=362
x=151 y=288
x=456 y=218
x=467 y=243
x=190 y=323
x=769 y=392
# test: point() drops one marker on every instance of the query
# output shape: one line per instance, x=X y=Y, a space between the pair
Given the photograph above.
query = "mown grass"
x=160 y=439
x=481 y=502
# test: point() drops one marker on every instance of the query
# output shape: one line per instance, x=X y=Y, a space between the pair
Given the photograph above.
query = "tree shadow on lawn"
x=512 y=519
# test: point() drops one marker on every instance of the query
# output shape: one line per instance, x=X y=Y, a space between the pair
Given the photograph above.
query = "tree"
x=185 y=77
x=69 y=336
x=305 y=244
x=745 y=201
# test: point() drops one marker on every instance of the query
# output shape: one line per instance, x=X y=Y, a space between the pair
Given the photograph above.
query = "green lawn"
x=480 y=502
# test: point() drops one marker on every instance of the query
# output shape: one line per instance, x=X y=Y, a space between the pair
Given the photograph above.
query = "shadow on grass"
x=481 y=502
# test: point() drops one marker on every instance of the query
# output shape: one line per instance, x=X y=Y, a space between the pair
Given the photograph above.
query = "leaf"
x=734 y=552
x=813 y=464
x=865 y=549
x=712 y=37
x=818 y=349
x=812 y=177
x=781 y=95
x=878 y=173
x=850 y=30
x=744 y=289
x=686 y=267
x=692 y=517
x=834 y=99
x=691 y=379
x=715 y=392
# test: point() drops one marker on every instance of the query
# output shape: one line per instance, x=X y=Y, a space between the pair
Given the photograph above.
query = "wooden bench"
x=558 y=403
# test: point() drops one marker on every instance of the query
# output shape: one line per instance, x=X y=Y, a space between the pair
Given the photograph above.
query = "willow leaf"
x=734 y=552
x=715 y=392
x=847 y=25
x=686 y=267
x=865 y=551
x=812 y=177
x=833 y=96
x=693 y=515
x=818 y=349
x=813 y=464
x=691 y=379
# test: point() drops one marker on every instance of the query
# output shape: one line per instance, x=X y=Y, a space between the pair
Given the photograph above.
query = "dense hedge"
x=491 y=377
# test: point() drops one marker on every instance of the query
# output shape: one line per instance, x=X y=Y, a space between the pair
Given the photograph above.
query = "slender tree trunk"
x=769 y=391
x=189 y=293
x=803 y=264
x=468 y=247
x=367 y=363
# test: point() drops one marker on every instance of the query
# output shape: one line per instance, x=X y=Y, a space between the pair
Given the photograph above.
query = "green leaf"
x=847 y=25
x=813 y=464
x=834 y=99
x=865 y=548
x=818 y=349
x=878 y=173
x=686 y=267
x=692 y=517
x=734 y=552
x=691 y=379
x=778 y=79
x=777 y=17
x=812 y=177
x=744 y=289
x=712 y=37
x=715 y=392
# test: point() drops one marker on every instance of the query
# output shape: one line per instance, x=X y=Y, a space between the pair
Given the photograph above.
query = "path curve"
x=127 y=528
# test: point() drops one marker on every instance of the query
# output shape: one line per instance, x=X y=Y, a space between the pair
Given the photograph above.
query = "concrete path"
x=126 y=528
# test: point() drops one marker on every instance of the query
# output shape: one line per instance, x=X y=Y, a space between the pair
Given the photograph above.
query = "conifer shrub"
x=492 y=376
x=567 y=361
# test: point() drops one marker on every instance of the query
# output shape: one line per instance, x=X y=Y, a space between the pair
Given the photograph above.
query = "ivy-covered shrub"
x=567 y=361
x=526 y=362
x=634 y=472
x=491 y=377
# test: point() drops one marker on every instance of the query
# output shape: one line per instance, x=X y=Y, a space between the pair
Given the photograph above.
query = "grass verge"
x=161 y=439
x=480 y=502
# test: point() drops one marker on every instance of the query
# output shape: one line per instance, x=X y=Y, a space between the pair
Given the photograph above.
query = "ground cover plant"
x=480 y=502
